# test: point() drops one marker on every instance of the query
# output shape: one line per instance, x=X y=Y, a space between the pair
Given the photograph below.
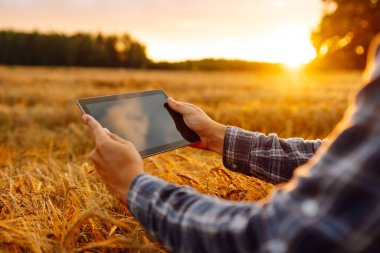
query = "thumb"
x=97 y=130
x=180 y=107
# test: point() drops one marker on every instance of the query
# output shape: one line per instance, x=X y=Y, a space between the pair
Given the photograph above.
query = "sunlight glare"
x=288 y=44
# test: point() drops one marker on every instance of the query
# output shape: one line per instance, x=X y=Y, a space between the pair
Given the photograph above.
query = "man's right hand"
x=211 y=132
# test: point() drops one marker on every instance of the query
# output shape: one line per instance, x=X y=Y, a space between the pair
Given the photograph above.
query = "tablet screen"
x=145 y=120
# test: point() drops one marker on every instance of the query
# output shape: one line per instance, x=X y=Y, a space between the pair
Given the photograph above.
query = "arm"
x=319 y=211
x=266 y=157
x=330 y=205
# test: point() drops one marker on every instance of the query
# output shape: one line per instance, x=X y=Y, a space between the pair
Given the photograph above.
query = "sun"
x=296 y=61
x=287 y=44
x=293 y=64
x=299 y=54
x=291 y=46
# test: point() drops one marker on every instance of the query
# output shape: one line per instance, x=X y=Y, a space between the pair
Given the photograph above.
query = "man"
x=330 y=204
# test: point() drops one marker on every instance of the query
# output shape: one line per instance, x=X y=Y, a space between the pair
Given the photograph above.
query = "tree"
x=81 y=49
x=344 y=33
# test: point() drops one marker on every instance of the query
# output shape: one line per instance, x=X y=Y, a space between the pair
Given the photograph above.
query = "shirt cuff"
x=236 y=155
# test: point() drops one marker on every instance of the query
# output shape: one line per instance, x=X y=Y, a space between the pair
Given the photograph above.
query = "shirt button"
x=234 y=166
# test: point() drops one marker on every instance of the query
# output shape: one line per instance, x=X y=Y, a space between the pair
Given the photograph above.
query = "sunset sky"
x=259 y=30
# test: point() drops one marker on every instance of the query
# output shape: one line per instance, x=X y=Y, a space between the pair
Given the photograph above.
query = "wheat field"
x=51 y=199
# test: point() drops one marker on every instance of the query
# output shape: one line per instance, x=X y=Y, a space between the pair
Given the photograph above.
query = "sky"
x=257 y=30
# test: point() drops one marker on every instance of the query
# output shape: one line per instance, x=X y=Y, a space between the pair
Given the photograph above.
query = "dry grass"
x=52 y=200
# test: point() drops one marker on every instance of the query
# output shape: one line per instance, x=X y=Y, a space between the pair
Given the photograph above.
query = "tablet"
x=144 y=118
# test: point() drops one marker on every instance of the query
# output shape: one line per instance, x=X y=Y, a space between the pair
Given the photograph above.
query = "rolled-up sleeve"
x=267 y=157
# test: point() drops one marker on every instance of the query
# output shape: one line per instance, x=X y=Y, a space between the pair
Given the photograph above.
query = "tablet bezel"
x=82 y=102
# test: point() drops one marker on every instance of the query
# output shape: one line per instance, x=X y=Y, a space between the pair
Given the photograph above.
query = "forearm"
x=216 y=138
x=267 y=157
x=186 y=221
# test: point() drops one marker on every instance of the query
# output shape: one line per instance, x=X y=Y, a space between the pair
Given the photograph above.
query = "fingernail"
x=106 y=130
x=171 y=99
x=84 y=118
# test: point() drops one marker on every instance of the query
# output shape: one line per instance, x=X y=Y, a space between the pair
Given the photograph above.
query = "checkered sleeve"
x=266 y=157
x=330 y=205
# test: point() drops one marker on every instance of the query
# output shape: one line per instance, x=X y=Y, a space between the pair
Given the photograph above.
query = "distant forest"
x=54 y=49
x=89 y=50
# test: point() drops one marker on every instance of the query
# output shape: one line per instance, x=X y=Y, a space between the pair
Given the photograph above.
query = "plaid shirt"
x=330 y=204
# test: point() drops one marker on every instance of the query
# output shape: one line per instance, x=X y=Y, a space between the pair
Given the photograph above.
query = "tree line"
x=211 y=64
x=81 y=49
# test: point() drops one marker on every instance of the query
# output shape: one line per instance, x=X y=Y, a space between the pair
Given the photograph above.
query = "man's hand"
x=116 y=160
x=210 y=132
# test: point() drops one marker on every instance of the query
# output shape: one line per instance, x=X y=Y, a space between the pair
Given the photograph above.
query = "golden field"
x=51 y=199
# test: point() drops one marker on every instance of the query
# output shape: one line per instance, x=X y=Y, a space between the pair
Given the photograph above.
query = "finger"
x=180 y=107
x=94 y=156
x=96 y=129
x=114 y=136
x=198 y=145
x=99 y=169
x=117 y=138
x=98 y=162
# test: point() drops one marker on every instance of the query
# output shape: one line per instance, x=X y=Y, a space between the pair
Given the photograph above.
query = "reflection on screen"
x=142 y=120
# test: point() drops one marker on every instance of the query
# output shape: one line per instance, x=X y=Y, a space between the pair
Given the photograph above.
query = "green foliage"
x=345 y=32
x=54 y=49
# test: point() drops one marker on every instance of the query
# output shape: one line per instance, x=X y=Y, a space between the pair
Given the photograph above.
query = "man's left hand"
x=116 y=160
